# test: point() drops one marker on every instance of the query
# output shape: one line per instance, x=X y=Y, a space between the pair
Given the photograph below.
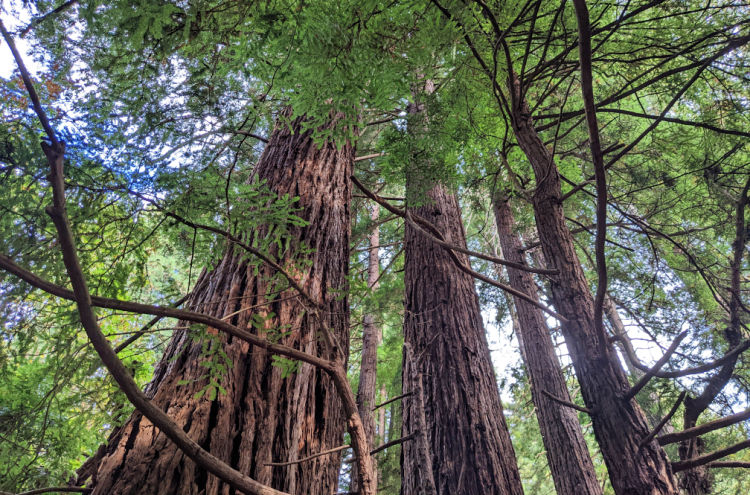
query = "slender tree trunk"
x=264 y=416
x=381 y=416
x=469 y=445
x=370 y=341
x=619 y=425
x=567 y=454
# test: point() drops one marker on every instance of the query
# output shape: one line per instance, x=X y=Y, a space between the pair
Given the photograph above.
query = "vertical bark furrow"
x=469 y=442
x=264 y=416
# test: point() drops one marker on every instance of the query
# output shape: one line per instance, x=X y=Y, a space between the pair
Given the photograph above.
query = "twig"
x=369 y=157
x=310 y=457
x=145 y=328
x=391 y=400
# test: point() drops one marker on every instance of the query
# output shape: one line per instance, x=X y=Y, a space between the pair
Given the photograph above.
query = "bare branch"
x=663 y=421
x=310 y=457
x=567 y=404
x=394 y=399
x=704 y=428
x=451 y=249
x=705 y=459
x=655 y=368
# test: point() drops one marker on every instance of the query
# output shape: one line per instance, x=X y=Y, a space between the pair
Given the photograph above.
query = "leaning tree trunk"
x=448 y=360
x=264 y=416
x=619 y=424
x=370 y=341
x=567 y=454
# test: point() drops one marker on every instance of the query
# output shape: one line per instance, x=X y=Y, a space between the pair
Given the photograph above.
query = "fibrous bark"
x=263 y=416
x=619 y=424
x=370 y=341
x=449 y=362
x=569 y=460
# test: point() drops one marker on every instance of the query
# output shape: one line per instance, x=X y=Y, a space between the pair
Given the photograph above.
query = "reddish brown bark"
x=263 y=417
x=619 y=425
x=370 y=341
x=567 y=454
x=468 y=442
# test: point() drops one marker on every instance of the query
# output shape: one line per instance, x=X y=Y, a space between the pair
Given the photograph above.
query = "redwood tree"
x=447 y=359
x=268 y=413
x=567 y=454
x=619 y=423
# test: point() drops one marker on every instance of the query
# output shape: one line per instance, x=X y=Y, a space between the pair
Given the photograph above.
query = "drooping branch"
x=310 y=457
x=53 y=489
x=729 y=464
x=166 y=312
x=703 y=368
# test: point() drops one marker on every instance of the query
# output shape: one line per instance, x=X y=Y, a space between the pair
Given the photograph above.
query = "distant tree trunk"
x=619 y=425
x=567 y=454
x=468 y=439
x=370 y=341
x=263 y=417
x=381 y=415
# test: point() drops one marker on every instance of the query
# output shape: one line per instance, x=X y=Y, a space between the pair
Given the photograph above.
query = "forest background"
x=166 y=107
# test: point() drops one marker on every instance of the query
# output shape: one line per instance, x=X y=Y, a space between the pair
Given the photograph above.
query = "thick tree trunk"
x=370 y=341
x=619 y=425
x=468 y=441
x=567 y=454
x=264 y=416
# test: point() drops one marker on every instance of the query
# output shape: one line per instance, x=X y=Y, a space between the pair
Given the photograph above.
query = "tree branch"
x=704 y=428
x=647 y=439
x=451 y=249
x=705 y=459
x=589 y=106
x=567 y=404
x=655 y=368
x=394 y=399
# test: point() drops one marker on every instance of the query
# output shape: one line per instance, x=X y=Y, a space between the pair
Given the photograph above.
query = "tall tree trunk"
x=567 y=454
x=370 y=341
x=619 y=425
x=264 y=416
x=381 y=416
x=469 y=444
